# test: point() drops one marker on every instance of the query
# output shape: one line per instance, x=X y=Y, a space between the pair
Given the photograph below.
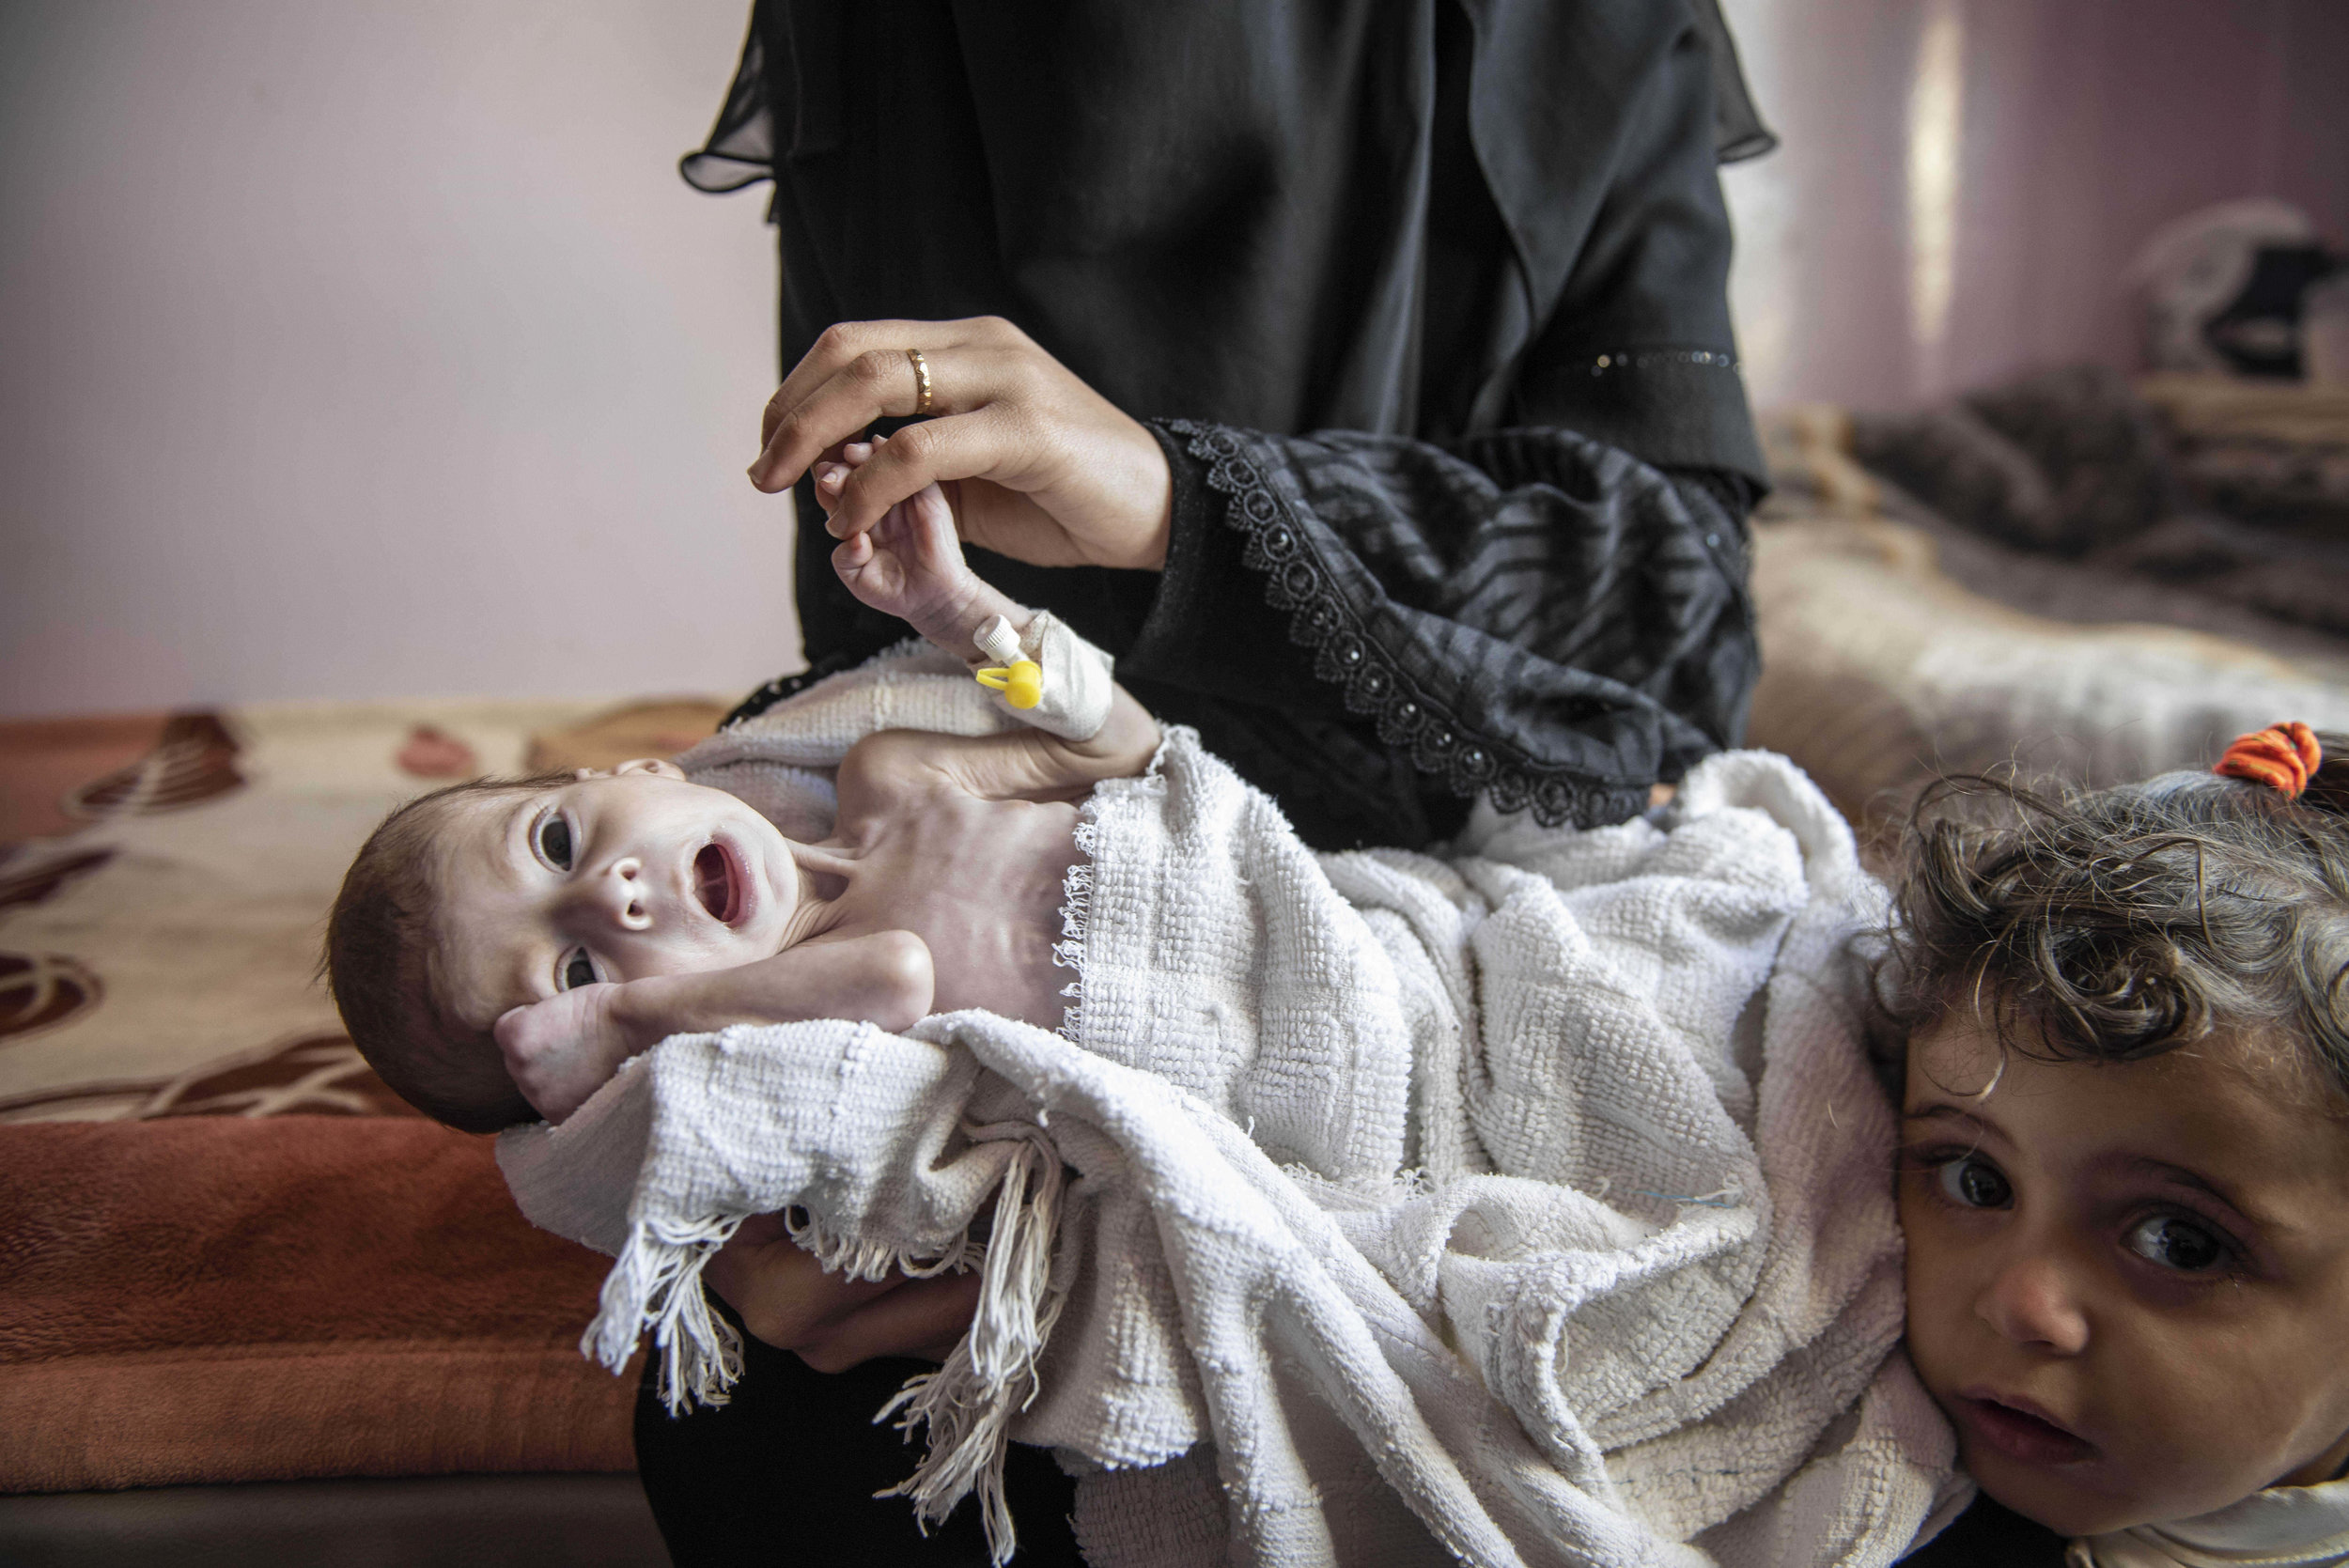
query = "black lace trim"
x=1297 y=579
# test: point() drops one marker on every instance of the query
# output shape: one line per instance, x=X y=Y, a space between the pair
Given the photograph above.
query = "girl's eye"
x=1973 y=1181
x=578 y=969
x=2176 y=1243
x=554 y=843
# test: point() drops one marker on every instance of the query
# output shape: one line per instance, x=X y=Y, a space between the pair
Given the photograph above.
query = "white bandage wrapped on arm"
x=1072 y=688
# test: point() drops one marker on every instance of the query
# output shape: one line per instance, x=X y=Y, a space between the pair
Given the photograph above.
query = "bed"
x=250 y=1305
x=1900 y=640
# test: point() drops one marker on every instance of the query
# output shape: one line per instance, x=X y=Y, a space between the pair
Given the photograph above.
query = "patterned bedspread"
x=233 y=1254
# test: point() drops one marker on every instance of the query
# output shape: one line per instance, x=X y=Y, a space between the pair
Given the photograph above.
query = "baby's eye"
x=578 y=969
x=1973 y=1181
x=2176 y=1243
x=554 y=843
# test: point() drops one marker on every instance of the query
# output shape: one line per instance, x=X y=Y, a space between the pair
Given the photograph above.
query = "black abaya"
x=1480 y=246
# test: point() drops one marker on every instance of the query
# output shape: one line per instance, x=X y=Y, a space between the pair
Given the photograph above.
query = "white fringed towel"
x=1532 y=1207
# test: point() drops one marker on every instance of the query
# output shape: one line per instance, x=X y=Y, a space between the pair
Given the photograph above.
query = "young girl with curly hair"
x=2126 y=1153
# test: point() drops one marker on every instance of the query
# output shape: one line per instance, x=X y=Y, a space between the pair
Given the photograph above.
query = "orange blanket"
x=219 y=1298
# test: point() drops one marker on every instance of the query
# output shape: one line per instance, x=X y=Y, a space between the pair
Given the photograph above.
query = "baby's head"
x=2126 y=1164
x=486 y=896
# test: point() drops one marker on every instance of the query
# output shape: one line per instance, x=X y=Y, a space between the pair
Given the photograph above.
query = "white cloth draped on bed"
x=1527 y=1208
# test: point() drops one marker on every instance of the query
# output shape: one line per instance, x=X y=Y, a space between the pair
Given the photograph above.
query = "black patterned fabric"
x=1478 y=245
x=1517 y=265
x=1534 y=616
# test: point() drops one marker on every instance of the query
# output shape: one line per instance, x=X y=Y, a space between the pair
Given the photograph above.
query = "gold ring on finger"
x=921 y=382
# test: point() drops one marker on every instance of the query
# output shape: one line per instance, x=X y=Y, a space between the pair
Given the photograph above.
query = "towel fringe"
x=873 y=1259
x=655 y=1287
x=968 y=1404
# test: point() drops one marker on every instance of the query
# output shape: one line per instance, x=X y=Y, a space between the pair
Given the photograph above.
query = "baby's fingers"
x=832 y=476
x=851 y=556
x=829 y=478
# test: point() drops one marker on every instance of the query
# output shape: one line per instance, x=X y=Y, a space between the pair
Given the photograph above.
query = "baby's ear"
x=659 y=767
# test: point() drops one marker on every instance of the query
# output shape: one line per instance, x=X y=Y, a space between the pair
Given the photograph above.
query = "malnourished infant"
x=1471 y=1143
x=499 y=949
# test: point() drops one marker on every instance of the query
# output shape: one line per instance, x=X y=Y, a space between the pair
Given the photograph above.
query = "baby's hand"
x=908 y=564
x=561 y=1050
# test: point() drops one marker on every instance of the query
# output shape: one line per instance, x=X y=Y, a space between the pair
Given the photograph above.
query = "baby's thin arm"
x=883 y=978
x=956 y=625
x=561 y=1050
x=1014 y=765
x=1121 y=747
x=910 y=565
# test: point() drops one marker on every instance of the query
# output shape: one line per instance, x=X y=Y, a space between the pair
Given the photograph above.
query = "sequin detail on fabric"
x=1649 y=359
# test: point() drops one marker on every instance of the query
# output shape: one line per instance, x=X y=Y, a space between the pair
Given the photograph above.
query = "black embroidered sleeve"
x=1377 y=630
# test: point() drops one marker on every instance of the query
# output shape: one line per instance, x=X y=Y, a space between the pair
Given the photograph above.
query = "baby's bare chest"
x=982 y=883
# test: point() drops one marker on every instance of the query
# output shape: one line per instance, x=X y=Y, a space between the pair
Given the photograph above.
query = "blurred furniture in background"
x=2012 y=625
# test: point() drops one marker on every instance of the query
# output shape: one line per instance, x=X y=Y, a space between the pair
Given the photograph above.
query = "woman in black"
x=1117 y=258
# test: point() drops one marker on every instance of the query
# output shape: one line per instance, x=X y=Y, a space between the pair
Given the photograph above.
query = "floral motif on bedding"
x=39 y=990
x=315 y=1076
x=193 y=760
x=160 y=918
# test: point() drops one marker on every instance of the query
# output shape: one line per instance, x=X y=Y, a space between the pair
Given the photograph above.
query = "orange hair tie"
x=2281 y=757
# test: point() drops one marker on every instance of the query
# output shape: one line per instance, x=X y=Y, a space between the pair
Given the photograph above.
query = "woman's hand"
x=1035 y=464
x=786 y=1299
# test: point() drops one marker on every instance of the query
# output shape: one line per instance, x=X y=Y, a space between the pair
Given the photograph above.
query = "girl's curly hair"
x=2117 y=924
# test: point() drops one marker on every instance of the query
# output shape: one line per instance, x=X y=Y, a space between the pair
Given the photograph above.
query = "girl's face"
x=2128 y=1283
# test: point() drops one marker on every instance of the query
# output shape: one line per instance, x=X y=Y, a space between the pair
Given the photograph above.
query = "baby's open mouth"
x=713 y=883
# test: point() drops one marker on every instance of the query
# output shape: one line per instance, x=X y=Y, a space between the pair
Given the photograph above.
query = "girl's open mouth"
x=716 y=884
x=2021 y=1433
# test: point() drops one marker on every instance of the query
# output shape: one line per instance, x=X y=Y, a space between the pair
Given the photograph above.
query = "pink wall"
x=374 y=349
x=2085 y=125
